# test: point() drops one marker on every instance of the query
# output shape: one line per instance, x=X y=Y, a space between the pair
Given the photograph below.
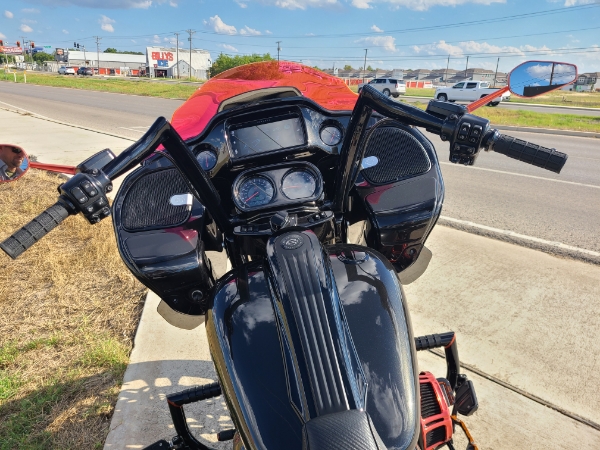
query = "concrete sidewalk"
x=525 y=320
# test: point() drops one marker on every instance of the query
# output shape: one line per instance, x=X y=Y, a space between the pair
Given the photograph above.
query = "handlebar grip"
x=546 y=158
x=34 y=230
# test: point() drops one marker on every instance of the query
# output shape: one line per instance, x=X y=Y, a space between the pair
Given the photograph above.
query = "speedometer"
x=255 y=191
x=299 y=184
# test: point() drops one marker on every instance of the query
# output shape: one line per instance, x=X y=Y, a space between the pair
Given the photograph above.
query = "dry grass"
x=69 y=313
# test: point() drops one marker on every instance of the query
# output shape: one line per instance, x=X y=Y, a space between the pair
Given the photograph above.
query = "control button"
x=101 y=202
x=79 y=195
x=462 y=137
x=89 y=188
x=243 y=228
x=476 y=132
x=473 y=140
x=105 y=212
x=90 y=208
x=465 y=128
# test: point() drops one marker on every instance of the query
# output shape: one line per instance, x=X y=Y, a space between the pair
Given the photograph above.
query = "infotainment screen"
x=263 y=136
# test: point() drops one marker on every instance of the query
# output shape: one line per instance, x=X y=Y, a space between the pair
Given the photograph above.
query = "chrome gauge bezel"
x=239 y=186
x=331 y=124
x=275 y=174
x=293 y=171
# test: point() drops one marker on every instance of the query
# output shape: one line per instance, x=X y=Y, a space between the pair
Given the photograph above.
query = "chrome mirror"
x=534 y=78
x=14 y=162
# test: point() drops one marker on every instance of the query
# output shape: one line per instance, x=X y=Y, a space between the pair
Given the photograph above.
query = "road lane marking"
x=133 y=129
x=522 y=175
x=26 y=110
x=553 y=244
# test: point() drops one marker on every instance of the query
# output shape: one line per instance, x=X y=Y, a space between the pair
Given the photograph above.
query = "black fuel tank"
x=266 y=368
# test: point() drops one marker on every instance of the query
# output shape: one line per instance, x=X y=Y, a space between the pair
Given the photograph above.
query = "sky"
x=403 y=34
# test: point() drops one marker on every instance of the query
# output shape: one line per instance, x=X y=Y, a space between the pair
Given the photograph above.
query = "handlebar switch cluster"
x=85 y=193
x=467 y=138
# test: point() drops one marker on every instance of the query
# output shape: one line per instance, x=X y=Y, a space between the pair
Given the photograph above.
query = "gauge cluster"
x=276 y=186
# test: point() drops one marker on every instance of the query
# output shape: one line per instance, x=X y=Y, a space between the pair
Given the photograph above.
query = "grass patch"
x=519 y=118
x=118 y=85
x=564 y=98
x=69 y=313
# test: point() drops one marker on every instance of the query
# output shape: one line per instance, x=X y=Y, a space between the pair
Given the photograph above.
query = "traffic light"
x=19 y=44
x=1 y=43
x=32 y=44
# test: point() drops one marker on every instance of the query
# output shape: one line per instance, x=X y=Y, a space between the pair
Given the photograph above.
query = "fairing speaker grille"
x=400 y=155
x=147 y=204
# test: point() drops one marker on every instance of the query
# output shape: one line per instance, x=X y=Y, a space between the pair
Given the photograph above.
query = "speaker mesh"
x=400 y=156
x=147 y=203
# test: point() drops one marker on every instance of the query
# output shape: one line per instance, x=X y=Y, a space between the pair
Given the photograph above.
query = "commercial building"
x=167 y=62
x=109 y=63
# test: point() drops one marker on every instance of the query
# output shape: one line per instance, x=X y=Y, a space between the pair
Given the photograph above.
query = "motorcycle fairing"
x=275 y=368
x=402 y=213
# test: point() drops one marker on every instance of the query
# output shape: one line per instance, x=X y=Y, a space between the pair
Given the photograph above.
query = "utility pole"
x=496 y=76
x=190 y=32
x=447 y=66
x=365 y=65
x=98 y=51
x=278 y=49
x=24 y=44
x=177 y=55
x=466 y=67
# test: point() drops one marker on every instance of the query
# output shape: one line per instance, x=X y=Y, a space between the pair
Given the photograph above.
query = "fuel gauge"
x=331 y=135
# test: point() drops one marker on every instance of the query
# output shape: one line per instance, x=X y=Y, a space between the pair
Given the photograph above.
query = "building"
x=110 y=63
x=163 y=62
x=588 y=81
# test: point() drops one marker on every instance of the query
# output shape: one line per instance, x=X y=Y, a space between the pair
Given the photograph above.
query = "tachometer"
x=255 y=191
x=299 y=184
x=331 y=135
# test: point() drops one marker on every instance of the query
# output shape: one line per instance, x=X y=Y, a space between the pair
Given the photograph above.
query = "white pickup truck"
x=469 y=91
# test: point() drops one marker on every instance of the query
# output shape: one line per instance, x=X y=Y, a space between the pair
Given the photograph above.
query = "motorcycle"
x=310 y=335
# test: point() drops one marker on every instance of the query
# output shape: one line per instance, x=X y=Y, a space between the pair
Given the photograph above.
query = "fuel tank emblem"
x=292 y=242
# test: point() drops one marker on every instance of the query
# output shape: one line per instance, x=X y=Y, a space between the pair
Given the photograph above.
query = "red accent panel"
x=329 y=92
x=443 y=419
x=72 y=170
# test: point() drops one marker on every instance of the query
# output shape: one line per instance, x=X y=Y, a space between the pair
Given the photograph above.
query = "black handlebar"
x=546 y=158
x=35 y=230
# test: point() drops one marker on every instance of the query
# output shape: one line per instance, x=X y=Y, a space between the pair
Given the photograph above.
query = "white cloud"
x=173 y=4
x=241 y=4
x=579 y=2
x=376 y=29
x=106 y=23
x=219 y=26
x=25 y=28
x=231 y=48
x=65 y=31
x=386 y=42
x=2 y=36
x=100 y=4
x=247 y=31
x=471 y=47
x=171 y=40
x=156 y=39
x=302 y=4
x=30 y=11
x=8 y=14
x=362 y=4
x=424 y=5
x=268 y=32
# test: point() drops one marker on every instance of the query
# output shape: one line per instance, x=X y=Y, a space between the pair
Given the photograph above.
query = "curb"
x=48 y=119
x=553 y=248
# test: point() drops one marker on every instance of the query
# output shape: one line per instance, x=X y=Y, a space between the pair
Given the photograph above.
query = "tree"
x=370 y=68
x=111 y=50
x=40 y=57
x=348 y=67
x=226 y=62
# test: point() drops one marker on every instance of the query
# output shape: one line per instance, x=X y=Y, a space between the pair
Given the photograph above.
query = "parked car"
x=85 y=71
x=387 y=86
x=469 y=91
x=64 y=70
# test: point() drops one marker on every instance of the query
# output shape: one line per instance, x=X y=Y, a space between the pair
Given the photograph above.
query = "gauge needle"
x=251 y=197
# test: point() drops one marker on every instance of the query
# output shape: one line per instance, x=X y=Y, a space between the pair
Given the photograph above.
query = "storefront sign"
x=11 y=50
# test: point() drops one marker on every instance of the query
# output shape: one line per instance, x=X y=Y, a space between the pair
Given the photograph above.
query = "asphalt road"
x=498 y=192
x=527 y=107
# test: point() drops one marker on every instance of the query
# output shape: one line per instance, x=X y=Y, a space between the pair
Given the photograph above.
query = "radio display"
x=265 y=136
